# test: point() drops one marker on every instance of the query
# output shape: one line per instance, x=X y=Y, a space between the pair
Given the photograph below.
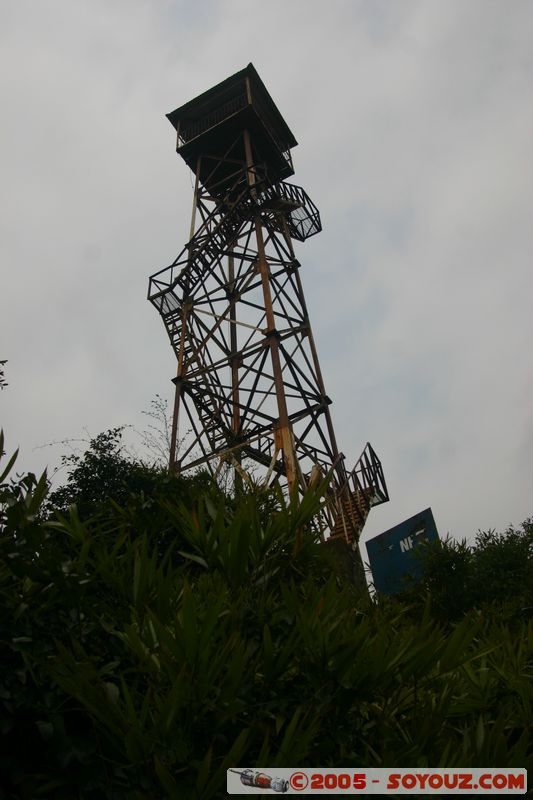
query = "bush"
x=494 y=575
x=162 y=639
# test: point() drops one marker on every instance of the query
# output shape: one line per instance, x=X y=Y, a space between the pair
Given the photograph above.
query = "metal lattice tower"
x=248 y=377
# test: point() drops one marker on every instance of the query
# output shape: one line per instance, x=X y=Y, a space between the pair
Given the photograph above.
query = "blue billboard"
x=392 y=555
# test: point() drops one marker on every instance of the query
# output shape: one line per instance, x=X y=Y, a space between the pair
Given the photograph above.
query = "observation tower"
x=249 y=388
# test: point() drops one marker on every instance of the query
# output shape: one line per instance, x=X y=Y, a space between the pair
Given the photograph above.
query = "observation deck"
x=210 y=127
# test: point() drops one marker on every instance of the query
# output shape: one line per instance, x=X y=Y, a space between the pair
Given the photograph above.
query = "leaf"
x=112 y=692
x=193 y=557
x=167 y=781
x=232 y=759
x=11 y=461
x=46 y=729
x=480 y=734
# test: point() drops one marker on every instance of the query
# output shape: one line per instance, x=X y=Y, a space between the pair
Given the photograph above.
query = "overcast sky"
x=415 y=128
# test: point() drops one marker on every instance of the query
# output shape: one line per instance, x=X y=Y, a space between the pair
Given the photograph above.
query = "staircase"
x=213 y=238
x=364 y=488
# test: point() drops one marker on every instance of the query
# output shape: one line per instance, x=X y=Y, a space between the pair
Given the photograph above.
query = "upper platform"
x=211 y=123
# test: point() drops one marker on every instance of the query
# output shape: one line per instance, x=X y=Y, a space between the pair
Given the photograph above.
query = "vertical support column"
x=182 y=367
x=283 y=434
x=234 y=357
x=340 y=468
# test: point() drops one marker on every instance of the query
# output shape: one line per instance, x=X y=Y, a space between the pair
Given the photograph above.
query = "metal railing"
x=226 y=110
x=210 y=120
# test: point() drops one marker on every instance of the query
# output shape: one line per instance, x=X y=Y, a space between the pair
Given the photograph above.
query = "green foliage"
x=102 y=472
x=171 y=632
x=494 y=575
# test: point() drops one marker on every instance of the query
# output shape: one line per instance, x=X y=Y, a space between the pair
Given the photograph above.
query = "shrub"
x=162 y=639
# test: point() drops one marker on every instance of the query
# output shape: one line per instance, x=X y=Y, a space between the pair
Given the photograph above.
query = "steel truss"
x=248 y=376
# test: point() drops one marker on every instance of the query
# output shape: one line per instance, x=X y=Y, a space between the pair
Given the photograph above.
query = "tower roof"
x=208 y=102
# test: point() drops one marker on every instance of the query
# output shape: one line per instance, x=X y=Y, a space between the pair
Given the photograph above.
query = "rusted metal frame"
x=250 y=303
x=297 y=290
x=242 y=444
x=221 y=159
x=373 y=478
x=209 y=334
x=243 y=252
x=254 y=375
x=315 y=456
x=260 y=391
x=208 y=401
x=246 y=253
x=246 y=269
x=227 y=388
x=310 y=399
x=181 y=258
x=271 y=237
x=209 y=457
x=224 y=316
x=205 y=299
x=199 y=281
x=313 y=386
x=308 y=363
x=250 y=367
x=325 y=441
x=219 y=319
x=258 y=374
x=209 y=408
x=257 y=347
x=226 y=408
x=257 y=414
x=252 y=342
x=181 y=355
x=271 y=466
x=282 y=279
x=198 y=440
x=298 y=388
x=211 y=380
x=340 y=469
x=165 y=286
x=209 y=212
x=237 y=103
x=218 y=218
x=206 y=212
x=248 y=279
x=279 y=295
x=212 y=367
x=213 y=220
x=203 y=275
x=312 y=451
x=159 y=284
x=305 y=393
x=285 y=253
x=265 y=459
x=177 y=395
x=247 y=282
x=366 y=468
x=283 y=428
x=302 y=413
x=191 y=446
x=211 y=388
